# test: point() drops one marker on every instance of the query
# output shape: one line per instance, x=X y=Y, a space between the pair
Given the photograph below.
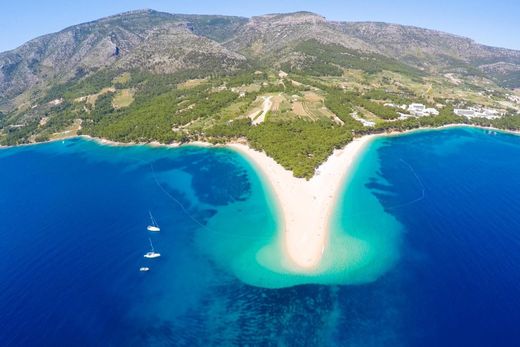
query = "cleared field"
x=123 y=98
x=299 y=110
x=312 y=97
x=91 y=99
x=234 y=111
x=279 y=103
x=312 y=106
x=252 y=88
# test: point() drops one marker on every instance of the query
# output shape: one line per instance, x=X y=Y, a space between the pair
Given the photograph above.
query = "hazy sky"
x=490 y=22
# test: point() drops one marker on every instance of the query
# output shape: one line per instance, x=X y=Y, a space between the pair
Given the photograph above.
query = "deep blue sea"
x=438 y=212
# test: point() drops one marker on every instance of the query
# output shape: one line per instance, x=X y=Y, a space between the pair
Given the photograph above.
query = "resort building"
x=475 y=112
x=420 y=110
x=414 y=110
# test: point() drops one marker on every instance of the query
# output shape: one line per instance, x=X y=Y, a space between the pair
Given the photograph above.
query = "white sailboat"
x=152 y=254
x=154 y=227
x=144 y=269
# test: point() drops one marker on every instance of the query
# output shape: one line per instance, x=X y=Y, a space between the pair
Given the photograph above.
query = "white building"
x=414 y=110
x=475 y=112
x=432 y=111
x=420 y=110
x=464 y=112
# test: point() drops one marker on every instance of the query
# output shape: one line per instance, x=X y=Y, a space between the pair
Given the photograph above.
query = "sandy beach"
x=306 y=206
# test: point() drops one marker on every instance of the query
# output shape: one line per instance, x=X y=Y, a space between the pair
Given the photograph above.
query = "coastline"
x=106 y=142
x=306 y=206
x=156 y=144
x=153 y=144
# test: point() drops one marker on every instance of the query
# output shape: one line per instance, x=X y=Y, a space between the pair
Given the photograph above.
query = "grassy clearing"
x=91 y=99
x=234 y=111
x=123 y=98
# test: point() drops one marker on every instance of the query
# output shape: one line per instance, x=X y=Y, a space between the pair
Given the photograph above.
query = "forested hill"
x=295 y=85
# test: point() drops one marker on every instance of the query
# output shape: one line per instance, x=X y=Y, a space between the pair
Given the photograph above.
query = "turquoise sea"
x=424 y=249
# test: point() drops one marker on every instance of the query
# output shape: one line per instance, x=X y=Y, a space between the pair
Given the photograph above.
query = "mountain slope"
x=71 y=51
x=437 y=51
x=171 y=47
x=150 y=40
x=214 y=27
x=276 y=35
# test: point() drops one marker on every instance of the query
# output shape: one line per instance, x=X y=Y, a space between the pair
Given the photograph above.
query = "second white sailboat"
x=152 y=254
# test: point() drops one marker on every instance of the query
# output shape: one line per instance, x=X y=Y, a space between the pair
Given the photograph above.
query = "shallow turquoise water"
x=357 y=252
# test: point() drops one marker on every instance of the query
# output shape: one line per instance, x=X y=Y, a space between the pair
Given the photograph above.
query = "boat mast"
x=154 y=223
x=151 y=244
